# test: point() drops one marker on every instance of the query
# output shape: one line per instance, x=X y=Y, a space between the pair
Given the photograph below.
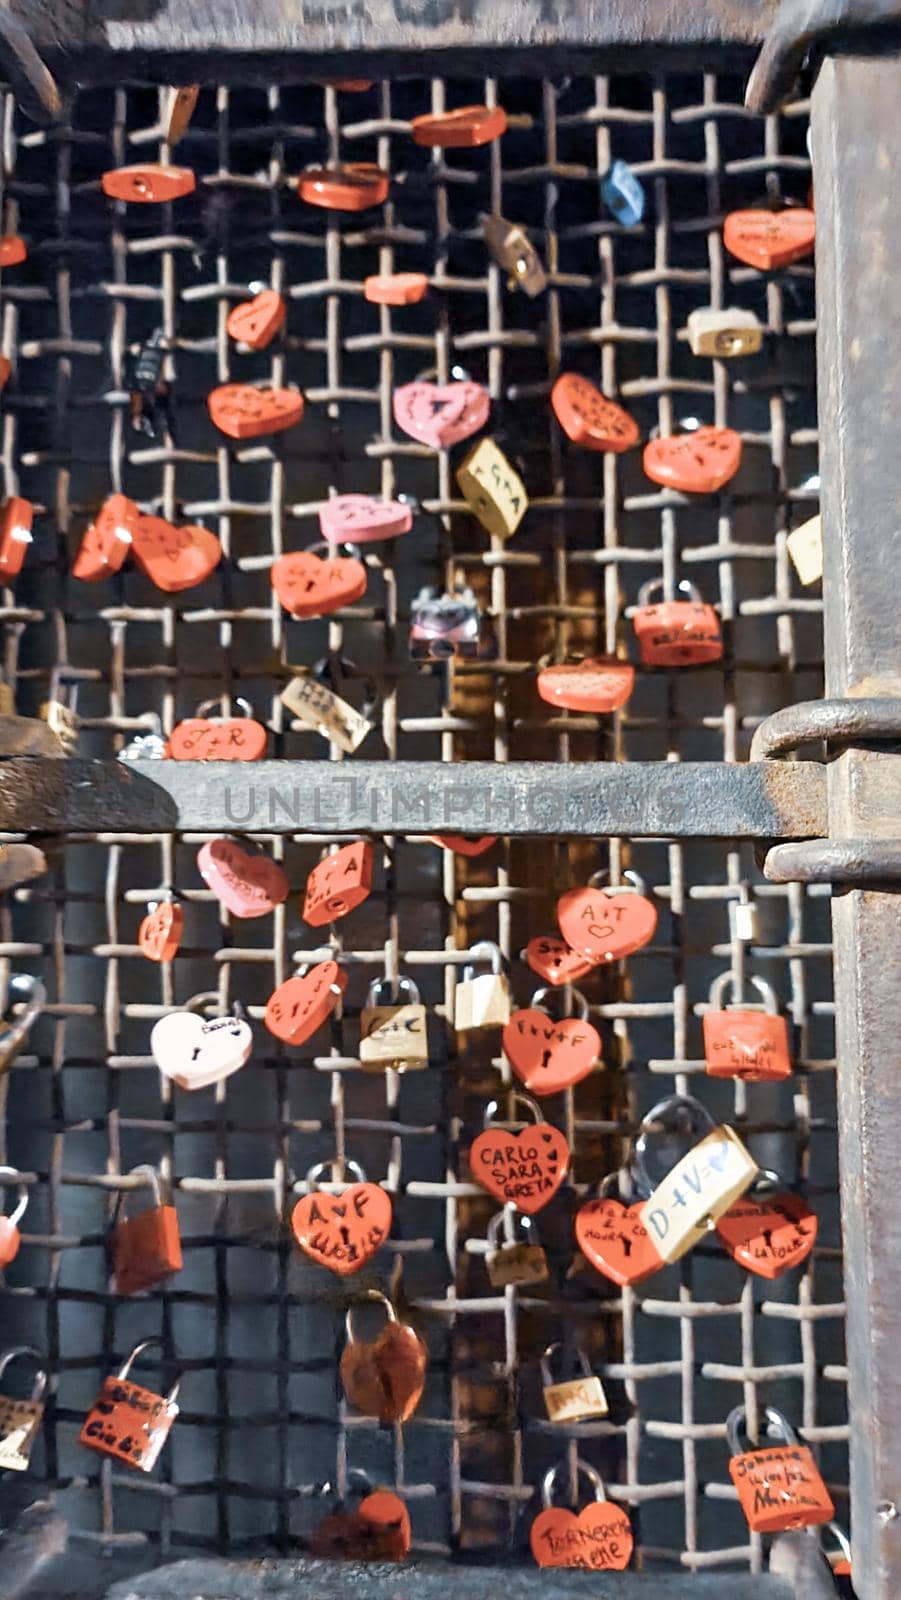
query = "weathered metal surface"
x=835 y=861
x=644 y=799
x=37 y=1537
x=801 y=23
x=809 y=721
x=856 y=148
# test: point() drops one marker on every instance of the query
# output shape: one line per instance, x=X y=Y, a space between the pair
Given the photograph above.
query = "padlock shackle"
x=399 y=986
x=777 y=1425
x=582 y=1469
x=243 y=705
x=702 y=1125
x=152 y=1180
x=336 y=549
x=633 y=883
x=312 y=1181
x=566 y=991
x=547 y=1372
x=484 y=950
x=370 y=1296
x=840 y=1537
x=518 y=1099
x=147 y=1344
x=358 y=1482
x=40 y=1377
x=731 y=981
x=30 y=993
x=508 y=1216
x=8 y=1177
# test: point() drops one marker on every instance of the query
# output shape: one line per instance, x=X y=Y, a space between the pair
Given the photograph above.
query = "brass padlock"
x=483 y=1001
x=733 y=332
x=574 y=1399
x=319 y=708
x=20 y=1419
x=30 y=994
x=518 y=1261
x=62 y=721
x=395 y=1035
x=805 y=547
x=701 y=1187
x=493 y=490
x=513 y=250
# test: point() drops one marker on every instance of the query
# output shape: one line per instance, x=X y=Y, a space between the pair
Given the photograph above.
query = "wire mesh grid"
x=254 y=1328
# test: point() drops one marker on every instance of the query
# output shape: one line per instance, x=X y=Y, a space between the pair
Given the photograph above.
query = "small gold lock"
x=62 y=721
x=702 y=1186
x=575 y=1399
x=7 y=701
x=20 y=1420
x=482 y=1001
x=805 y=546
x=494 y=492
x=513 y=250
x=515 y=1261
x=733 y=332
x=312 y=703
x=394 y=1036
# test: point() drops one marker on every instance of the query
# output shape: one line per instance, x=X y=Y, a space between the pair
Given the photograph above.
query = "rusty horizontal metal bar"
x=763 y=800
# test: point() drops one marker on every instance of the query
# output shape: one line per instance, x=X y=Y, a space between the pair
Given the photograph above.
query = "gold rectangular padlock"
x=733 y=332
x=514 y=251
x=699 y=1189
x=394 y=1036
x=62 y=721
x=575 y=1399
x=19 y=1424
x=805 y=546
x=494 y=492
x=516 y=1263
x=327 y=713
x=482 y=1002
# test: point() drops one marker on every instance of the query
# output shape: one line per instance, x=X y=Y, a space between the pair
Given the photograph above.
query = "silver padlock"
x=394 y=1036
x=572 y=1399
x=519 y=1261
x=20 y=1419
x=483 y=1001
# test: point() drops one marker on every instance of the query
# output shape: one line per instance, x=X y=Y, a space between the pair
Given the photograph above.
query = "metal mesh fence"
x=255 y=1329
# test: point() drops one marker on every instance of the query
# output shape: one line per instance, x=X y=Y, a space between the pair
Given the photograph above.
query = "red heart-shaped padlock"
x=460 y=129
x=548 y=1056
x=697 y=463
x=248 y=886
x=159 y=935
x=378 y=1529
x=770 y=239
x=217 y=739
x=175 y=558
x=387 y=1513
x=15 y=535
x=12 y=250
x=256 y=322
x=599 y=1538
x=521 y=1169
x=149 y=184
x=307 y=586
x=106 y=543
x=342 y=1232
x=601 y=683
x=339 y=884
x=588 y=418
x=441 y=414
x=614 y=1240
x=244 y=412
x=361 y=518
x=553 y=960
x=6 y=367
x=395 y=288
x=769 y=1235
x=461 y=845
x=352 y=187
x=605 y=925
x=300 y=1005
x=10 y=1241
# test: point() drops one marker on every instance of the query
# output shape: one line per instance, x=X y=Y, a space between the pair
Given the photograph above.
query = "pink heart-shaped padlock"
x=248 y=886
x=361 y=518
x=441 y=414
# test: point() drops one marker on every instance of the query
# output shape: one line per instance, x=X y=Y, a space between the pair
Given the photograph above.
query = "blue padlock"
x=622 y=194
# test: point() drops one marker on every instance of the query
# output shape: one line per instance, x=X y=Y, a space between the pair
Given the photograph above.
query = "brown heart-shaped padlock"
x=614 y=1240
x=769 y=1233
x=307 y=586
x=548 y=1056
x=599 y=1538
x=521 y=1169
x=384 y=1378
x=159 y=935
x=697 y=463
x=174 y=558
x=342 y=1232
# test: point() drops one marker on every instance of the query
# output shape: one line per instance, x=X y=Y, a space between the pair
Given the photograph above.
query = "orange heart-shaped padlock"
x=599 y=1537
x=217 y=739
x=521 y=1169
x=174 y=558
x=385 y=1512
x=461 y=845
x=6 y=367
x=461 y=129
x=697 y=463
x=769 y=1234
x=247 y=885
x=548 y=1056
x=395 y=288
x=770 y=239
x=342 y=1232
x=300 y=1005
x=385 y=1378
x=244 y=412
x=605 y=924
x=12 y=250
x=553 y=960
x=106 y=543
x=378 y=1529
x=307 y=586
x=339 y=884
x=588 y=418
x=15 y=535
x=600 y=683
x=149 y=184
x=352 y=187
x=256 y=322
x=614 y=1240
x=159 y=935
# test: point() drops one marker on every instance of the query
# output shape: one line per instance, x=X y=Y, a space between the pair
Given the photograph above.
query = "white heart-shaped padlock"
x=195 y=1053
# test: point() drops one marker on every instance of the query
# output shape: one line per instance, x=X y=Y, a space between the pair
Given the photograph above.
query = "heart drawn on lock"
x=385 y=1379
x=159 y=935
x=553 y=960
x=256 y=322
x=361 y=518
x=248 y=886
x=599 y=1538
x=244 y=412
x=697 y=463
x=441 y=414
x=107 y=541
x=299 y=1006
x=174 y=558
x=605 y=927
x=597 y=684
x=770 y=239
x=548 y=1056
x=307 y=586
x=343 y=1232
x=195 y=1053
x=588 y=418
x=520 y=1169
x=614 y=1240
x=769 y=1235
x=219 y=739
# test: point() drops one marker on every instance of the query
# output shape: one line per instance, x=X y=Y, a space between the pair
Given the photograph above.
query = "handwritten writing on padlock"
x=394 y=1035
x=318 y=708
x=515 y=1261
x=493 y=490
x=342 y=1232
x=572 y=1399
x=128 y=1422
x=524 y=1169
x=698 y=1190
x=738 y=1043
x=338 y=884
x=20 y=1420
x=780 y=1485
x=548 y=1055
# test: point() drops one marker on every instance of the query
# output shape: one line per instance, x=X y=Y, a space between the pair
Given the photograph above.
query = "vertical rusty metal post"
x=857 y=158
